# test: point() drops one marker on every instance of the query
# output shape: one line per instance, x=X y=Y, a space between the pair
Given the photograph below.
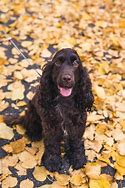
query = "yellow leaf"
x=114 y=185
x=9 y=182
x=105 y=157
x=93 y=170
x=2 y=56
x=21 y=103
x=120 y=169
x=1 y=119
x=120 y=107
x=3 y=105
x=122 y=123
x=122 y=23
x=103 y=67
x=120 y=160
x=121 y=147
x=26 y=183
x=20 y=170
x=55 y=185
x=17 y=94
x=76 y=179
x=46 y=53
x=20 y=129
x=26 y=44
x=18 y=145
x=6 y=132
x=2 y=95
x=101 y=128
x=8 y=148
x=100 y=92
x=28 y=160
x=72 y=40
x=62 y=179
x=18 y=75
x=40 y=173
x=94 y=184
x=101 y=182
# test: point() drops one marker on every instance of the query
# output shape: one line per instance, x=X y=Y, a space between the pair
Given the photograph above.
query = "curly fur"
x=49 y=114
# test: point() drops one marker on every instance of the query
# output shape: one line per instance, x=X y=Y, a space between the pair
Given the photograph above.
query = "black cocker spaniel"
x=58 y=110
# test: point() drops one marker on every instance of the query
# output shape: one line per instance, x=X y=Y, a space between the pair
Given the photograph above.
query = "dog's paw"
x=78 y=161
x=52 y=163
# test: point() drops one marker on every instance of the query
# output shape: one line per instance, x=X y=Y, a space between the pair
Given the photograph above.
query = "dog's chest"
x=65 y=113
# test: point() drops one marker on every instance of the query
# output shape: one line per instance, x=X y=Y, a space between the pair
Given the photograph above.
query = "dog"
x=58 y=110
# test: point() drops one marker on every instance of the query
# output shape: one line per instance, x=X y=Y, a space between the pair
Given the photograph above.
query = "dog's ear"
x=84 y=94
x=47 y=86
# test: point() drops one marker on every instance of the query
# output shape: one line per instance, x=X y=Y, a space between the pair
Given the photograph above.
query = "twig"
x=12 y=42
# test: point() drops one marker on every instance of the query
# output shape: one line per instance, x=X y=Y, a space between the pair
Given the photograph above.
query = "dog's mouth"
x=65 y=92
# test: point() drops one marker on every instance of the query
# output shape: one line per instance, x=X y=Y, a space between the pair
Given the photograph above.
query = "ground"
x=96 y=29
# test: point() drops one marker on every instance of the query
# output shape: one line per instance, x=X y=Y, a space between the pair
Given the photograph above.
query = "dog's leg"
x=76 y=154
x=52 y=156
x=75 y=151
x=32 y=123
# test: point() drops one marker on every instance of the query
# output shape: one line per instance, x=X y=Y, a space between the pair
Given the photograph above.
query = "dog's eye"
x=75 y=64
x=58 y=63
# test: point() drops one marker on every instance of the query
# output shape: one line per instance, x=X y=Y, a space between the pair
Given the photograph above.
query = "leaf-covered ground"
x=96 y=29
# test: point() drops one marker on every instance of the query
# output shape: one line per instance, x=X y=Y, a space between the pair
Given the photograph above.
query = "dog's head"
x=65 y=76
x=65 y=72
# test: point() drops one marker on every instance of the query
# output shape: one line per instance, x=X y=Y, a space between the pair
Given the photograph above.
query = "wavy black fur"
x=50 y=114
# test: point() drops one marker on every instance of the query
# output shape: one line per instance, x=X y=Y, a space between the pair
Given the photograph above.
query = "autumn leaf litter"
x=96 y=29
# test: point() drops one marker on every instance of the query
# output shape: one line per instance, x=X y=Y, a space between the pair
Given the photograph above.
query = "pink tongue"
x=65 y=92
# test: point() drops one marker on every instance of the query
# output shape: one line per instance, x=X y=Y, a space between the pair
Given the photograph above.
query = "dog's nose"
x=66 y=78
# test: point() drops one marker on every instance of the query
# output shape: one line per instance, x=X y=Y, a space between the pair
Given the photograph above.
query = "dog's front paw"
x=52 y=163
x=78 y=161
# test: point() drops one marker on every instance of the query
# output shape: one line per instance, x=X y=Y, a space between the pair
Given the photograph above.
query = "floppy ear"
x=84 y=94
x=47 y=86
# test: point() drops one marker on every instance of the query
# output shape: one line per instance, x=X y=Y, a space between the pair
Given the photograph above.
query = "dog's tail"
x=11 y=120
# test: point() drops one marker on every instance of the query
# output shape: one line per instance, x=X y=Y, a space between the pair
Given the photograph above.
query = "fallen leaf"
x=76 y=179
x=20 y=170
x=40 y=173
x=93 y=170
x=120 y=160
x=101 y=182
x=26 y=44
x=114 y=185
x=100 y=92
x=9 y=182
x=8 y=148
x=55 y=184
x=6 y=132
x=28 y=160
x=122 y=23
x=101 y=128
x=26 y=183
x=120 y=169
x=18 y=146
x=20 y=129
x=62 y=179
x=121 y=147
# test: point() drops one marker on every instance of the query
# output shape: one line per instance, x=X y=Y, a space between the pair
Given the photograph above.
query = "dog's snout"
x=66 y=78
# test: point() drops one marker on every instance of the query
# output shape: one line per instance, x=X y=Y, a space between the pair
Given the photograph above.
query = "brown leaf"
x=18 y=146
